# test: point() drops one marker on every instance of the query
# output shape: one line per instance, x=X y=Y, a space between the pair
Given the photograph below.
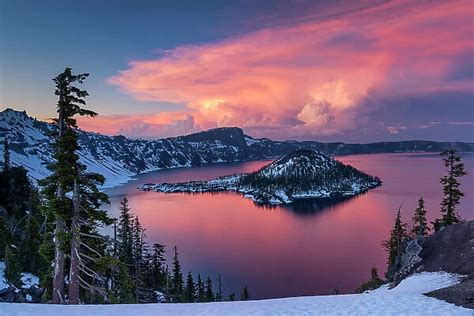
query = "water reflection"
x=300 y=249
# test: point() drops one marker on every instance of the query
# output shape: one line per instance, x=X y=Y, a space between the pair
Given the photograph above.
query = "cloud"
x=312 y=77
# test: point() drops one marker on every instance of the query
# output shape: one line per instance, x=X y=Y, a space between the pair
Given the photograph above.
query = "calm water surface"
x=288 y=251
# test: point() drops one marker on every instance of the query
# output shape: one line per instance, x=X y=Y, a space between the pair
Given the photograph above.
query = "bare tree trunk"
x=59 y=256
x=75 y=245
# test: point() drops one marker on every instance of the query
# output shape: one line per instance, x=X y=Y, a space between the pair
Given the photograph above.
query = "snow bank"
x=406 y=299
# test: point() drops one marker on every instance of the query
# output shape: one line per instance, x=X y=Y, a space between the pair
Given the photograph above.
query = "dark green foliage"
x=157 y=268
x=13 y=267
x=394 y=245
x=200 y=294
x=177 y=289
x=420 y=224
x=451 y=191
x=190 y=292
x=245 y=295
x=374 y=282
x=231 y=297
x=209 y=295
x=219 y=293
x=124 y=233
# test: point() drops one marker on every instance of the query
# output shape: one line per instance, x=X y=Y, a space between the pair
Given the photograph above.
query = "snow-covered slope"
x=118 y=158
x=298 y=175
x=405 y=299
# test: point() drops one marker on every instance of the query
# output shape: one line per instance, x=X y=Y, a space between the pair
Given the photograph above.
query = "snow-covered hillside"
x=405 y=299
x=298 y=175
x=118 y=158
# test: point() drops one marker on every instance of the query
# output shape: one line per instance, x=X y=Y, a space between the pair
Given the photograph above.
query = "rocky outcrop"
x=450 y=250
x=12 y=294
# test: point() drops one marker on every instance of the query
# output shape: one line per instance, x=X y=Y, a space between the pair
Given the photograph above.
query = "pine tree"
x=200 y=295
x=231 y=297
x=72 y=194
x=420 y=225
x=245 y=295
x=158 y=267
x=394 y=245
x=451 y=191
x=124 y=233
x=209 y=293
x=190 y=289
x=178 y=283
x=219 y=293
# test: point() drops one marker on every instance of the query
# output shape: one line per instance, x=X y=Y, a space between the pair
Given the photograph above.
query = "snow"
x=405 y=299
x=28 y=279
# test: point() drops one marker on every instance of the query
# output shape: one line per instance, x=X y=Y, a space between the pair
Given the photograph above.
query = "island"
x=301 y=174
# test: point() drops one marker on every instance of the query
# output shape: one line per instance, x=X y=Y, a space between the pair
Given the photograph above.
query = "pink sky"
x=304 y=79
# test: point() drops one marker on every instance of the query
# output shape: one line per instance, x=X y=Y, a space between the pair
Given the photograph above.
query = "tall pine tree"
x=190 y=289
x=451 y=191
x=178 y=283
x=398 y=235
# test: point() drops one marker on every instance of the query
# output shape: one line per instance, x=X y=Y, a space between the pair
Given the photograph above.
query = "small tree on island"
x=420 y=224
x=451 y=191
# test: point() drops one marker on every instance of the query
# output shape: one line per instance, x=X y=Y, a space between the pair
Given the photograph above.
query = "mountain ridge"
x=119 y=158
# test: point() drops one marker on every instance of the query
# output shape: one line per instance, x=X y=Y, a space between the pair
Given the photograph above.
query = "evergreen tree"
x=72 y=194
x=190 y=289
x=178 y=283
x=200 y=295
x=374 y=282
x=124 y=233
x=398 y=235
x=158 y=267
x=420 y=225
x=451 y=191
x=209 y=293
x=245 y=295
x=219 y=293
x=13 y=266
x=231 y=297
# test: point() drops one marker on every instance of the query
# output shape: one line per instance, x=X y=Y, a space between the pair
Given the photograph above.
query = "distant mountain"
x=118 y=158
x=301 y=174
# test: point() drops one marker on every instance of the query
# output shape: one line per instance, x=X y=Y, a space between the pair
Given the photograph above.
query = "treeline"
x=401 y=233
x=54 y=231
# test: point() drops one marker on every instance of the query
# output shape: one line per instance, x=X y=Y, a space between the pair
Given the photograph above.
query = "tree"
x=420 y=225
x=201 y=297
x=231 y=297
x=209 y=293
x=178 y=283
x=124 y=233
x=374 y=282
x=72 y=194
x=190 y=289
x=394 y=245
x=219 y=293
x=245 y=295
x=158 y=267
x=451 y=191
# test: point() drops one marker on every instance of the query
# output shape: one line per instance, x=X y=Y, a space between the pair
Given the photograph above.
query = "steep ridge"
x=118 y=158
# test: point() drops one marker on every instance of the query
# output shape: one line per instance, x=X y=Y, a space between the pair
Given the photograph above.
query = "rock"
x=35 y=293
x=7 y=294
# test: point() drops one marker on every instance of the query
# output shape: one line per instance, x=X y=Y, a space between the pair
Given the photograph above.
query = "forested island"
x=301 y=174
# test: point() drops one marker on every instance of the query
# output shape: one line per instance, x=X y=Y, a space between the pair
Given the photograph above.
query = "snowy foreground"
x=405 y=299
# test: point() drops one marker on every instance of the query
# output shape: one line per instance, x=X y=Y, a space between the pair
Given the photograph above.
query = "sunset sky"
x=354 y=71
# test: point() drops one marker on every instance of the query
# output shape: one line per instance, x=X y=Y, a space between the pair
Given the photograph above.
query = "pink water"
x=285 y=251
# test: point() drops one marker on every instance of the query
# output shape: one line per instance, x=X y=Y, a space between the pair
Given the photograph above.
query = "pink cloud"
x=308 y=78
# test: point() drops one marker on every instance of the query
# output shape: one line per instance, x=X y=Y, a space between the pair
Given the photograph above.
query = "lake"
x=288 y=251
